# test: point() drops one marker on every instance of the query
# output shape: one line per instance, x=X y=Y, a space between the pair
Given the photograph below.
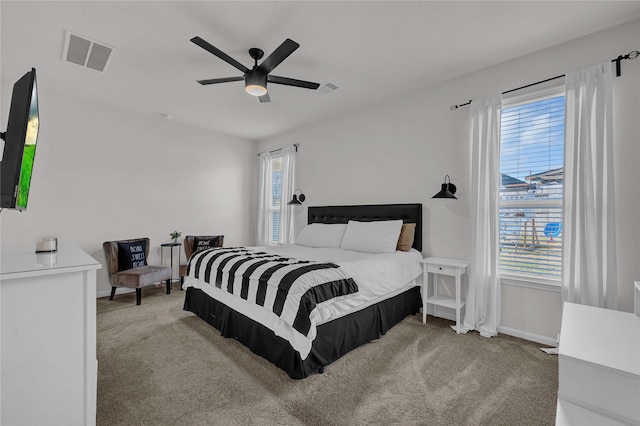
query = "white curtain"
x=264 y=199
x=285 y=235
x=589 y=249
x=482 y=312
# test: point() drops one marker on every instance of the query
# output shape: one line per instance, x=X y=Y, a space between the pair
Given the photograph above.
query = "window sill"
x=534 y=283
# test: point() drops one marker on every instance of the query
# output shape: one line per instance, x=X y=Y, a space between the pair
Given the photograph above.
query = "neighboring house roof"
x=549 y=176
x=510 y=180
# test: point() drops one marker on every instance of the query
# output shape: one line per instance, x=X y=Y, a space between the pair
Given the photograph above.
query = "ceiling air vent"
x=325 y=89
x=85 y=52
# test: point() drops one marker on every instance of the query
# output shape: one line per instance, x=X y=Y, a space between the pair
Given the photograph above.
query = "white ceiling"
x=373 y=50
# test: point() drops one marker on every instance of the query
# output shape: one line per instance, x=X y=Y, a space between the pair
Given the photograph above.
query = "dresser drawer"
x=441 y=269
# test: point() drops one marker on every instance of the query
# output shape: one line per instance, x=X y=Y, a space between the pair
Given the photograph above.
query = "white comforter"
x=378 y=277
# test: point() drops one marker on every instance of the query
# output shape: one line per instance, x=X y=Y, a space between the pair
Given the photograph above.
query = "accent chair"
x=127 y=266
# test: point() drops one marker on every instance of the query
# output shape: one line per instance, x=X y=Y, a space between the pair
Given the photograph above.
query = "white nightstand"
x=441 y=265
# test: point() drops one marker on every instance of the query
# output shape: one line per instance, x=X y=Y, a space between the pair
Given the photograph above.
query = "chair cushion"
x=131 y=254
x=140 y=277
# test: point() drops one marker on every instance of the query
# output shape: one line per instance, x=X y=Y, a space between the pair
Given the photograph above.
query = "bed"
x=355 y=315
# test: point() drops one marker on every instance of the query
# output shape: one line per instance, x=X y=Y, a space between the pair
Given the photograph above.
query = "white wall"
x=400 y=151
x=104 y=174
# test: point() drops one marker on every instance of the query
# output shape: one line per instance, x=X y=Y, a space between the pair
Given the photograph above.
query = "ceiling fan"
x=256 y=78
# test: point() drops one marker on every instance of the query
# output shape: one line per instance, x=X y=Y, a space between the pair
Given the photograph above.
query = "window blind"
x=531 y=188
x=276 y=193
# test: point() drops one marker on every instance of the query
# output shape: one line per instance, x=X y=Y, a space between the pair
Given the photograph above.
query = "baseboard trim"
x=451 y=316
x=445 y=313
x=527 y=336
x=120 y=290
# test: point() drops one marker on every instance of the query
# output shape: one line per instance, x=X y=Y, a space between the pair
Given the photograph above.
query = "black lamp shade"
x=297 y=199
x=447 y=191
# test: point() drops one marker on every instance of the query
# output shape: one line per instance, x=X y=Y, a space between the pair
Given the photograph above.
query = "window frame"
x=523 y=279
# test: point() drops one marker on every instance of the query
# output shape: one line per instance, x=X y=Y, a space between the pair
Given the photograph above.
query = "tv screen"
x=20 y=143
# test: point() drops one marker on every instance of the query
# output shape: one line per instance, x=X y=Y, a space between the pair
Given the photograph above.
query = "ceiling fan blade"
x=292 y=82
x=265 y=98
x=277 y=56
x=219 y=53
x=220 y=80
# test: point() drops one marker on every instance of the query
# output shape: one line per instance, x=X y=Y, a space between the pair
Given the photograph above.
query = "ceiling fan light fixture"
x=255 y=83
x=255 y=90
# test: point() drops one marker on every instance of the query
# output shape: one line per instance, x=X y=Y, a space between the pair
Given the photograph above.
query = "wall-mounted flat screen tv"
x=20 y=143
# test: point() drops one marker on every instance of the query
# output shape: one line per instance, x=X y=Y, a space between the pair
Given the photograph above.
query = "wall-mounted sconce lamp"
x=298 y=198
x=448 y=189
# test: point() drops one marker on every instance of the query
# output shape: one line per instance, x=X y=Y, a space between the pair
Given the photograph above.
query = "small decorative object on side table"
x=175 y=235
x=445 y=266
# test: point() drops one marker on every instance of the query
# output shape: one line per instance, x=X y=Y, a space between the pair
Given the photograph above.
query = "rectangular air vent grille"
x=86 y=52
x=325 y=89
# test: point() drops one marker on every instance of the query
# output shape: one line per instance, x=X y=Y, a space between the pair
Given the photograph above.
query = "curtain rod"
x=280 y=149
x=631 y=55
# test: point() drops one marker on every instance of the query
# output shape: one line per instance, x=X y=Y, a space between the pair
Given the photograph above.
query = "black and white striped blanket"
x=290 y=288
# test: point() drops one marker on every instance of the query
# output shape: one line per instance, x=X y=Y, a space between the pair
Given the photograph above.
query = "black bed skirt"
x=333 y=340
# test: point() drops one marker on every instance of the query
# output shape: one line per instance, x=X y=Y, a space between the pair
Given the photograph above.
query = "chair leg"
x=181 y=282
x=138 y=296
x=113 y=293
x=169 y=286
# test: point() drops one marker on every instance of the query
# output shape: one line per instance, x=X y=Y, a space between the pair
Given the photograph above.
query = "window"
x=275 y=181
x=531 y=187
x=276 y=193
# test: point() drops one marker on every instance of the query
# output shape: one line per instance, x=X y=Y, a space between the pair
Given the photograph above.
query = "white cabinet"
x=599 y=367
x=48 y=365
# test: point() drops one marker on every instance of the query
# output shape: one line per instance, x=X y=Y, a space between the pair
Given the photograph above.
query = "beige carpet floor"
x=160 y=365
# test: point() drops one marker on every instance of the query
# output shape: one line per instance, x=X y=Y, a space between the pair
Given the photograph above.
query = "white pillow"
x=372 y=237
x=325 y=235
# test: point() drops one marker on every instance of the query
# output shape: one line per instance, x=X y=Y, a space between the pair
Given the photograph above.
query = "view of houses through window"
x=531 y=190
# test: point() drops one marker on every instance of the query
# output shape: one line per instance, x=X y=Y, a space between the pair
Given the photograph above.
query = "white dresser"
x=599 y=367
x=48 y=365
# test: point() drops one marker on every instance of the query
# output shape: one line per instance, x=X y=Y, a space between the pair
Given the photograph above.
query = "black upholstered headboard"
x=409 y=213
